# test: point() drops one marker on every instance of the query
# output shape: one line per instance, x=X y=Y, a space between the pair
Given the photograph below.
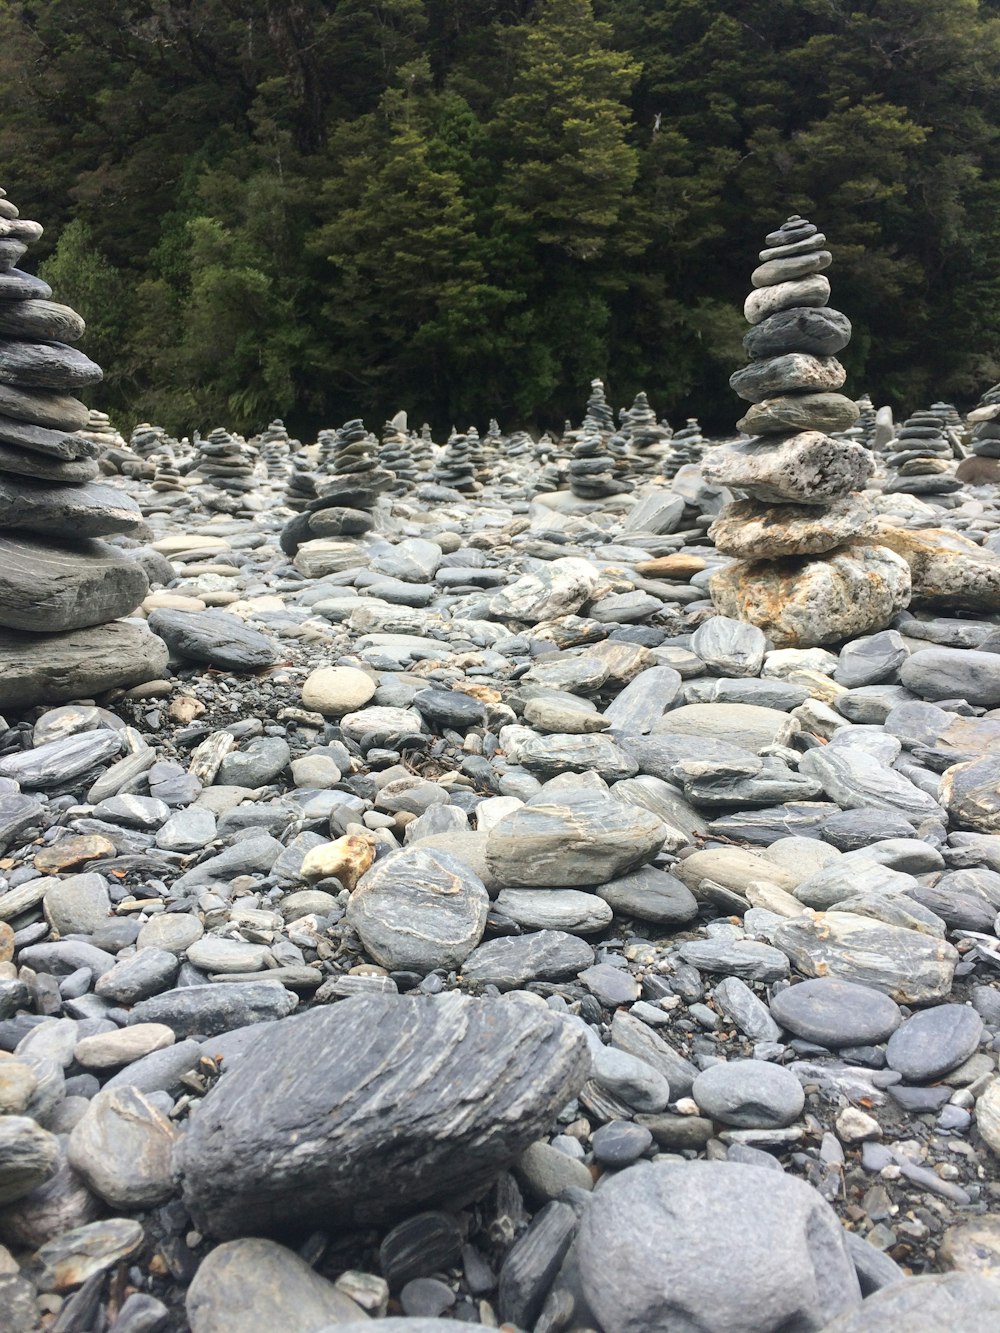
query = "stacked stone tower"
x=810 y=572
x=62 y=589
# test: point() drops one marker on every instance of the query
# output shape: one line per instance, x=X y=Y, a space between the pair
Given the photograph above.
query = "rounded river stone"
x=835 y=1013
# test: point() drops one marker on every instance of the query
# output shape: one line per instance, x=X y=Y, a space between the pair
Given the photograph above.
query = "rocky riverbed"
x=471 y=925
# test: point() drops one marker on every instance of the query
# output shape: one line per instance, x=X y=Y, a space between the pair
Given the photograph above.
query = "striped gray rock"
x=336 y=1114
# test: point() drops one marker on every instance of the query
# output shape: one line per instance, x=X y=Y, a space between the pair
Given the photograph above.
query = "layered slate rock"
x=810 y=576
x=55 y=577
x=337 y=1113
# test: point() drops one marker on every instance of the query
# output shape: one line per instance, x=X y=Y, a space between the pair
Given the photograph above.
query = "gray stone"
x=187 y=830
x=48 y=587
x=256 y=852
x=747 y=959
x=807 y=469
x=215 y=637
x=749 y=1094
x=247 y=1285
x=936 y=1303
x=310 y=1125
x=870 y=660
x=511 y=962
x=589 y=841
x=971 y=793
x=631 y=1035
x=644 y=700
x=77 y=904
x=818 y=330
x=578 y=754
x=210 y=1009
x=791 y=1267
x=555 y=909
x=750 y=1015
x=28 y=1156
x=122 y=1148
x=934 y=1042
x=56 y=762
x=911 y=967
x=953 y=673
x=630 y=1079
x=160 y=1071
x=419 y=909
x=258 y=764
x=50 y=668
x=854 y=779
x=729 y=647
x=651 y=895
x=64 y=511
x=836 y=1013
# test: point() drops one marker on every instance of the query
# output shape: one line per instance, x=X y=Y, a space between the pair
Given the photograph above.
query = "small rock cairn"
x=456 y=468
x=227 y=463
x=922 y=455
x=56 y=577
x=345 y=495
x=687 y=446
x=397 y=454
x=983 y=468
x=276 y=447
x=801 y=485
x=647 y=439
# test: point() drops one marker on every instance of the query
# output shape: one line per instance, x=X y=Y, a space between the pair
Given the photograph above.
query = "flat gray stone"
x=835 y=1013
x=934 y=1042
x=246 y=1285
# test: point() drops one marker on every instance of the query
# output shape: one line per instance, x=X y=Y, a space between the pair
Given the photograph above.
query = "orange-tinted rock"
x=69 y=853
x=804 y=602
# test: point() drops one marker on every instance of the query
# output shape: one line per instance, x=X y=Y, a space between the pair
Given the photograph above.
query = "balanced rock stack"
x=592 y=469
x=300 y=487
x=865 y=424
x=922 y=457
x=276 y=446
x=810 y=576
x=397 y=453
x=345 y=496
x=687 y=446
x=456 y=468
x=61 y=588
x=983 y=468
x=227 y=463
x=647 y=438
x=100 y=431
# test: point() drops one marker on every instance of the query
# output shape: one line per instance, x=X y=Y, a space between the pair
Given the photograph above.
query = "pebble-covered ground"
x=472 y=926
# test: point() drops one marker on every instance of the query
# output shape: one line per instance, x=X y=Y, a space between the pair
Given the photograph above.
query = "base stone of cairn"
x=814 y=573
x=61 y=588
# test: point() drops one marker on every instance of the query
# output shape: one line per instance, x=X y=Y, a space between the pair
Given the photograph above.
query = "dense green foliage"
x=326 y=208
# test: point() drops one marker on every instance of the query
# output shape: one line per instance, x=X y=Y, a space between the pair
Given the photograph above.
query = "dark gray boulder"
x=340 y=1114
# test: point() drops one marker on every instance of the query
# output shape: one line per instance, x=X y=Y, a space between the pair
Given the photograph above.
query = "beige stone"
x=805 y=602
x=345 y=859
x=809 y=468
x=801 y=411
x=946 y=569
x=334 y=691
x=751 y=530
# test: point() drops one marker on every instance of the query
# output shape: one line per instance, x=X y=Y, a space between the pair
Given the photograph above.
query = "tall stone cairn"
x=983 y=468
x=62 y=589
x=811 y=571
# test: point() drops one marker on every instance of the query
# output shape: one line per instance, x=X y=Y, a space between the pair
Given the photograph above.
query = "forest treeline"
x=327 y=208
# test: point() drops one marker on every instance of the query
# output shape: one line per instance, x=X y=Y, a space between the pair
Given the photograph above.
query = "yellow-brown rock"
x=946 y=569
x=676 y=566
x=808 y=601
x=68 y=853
x=345 y=859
